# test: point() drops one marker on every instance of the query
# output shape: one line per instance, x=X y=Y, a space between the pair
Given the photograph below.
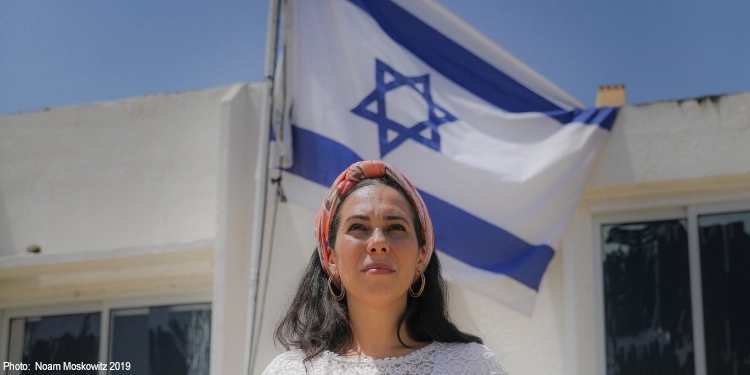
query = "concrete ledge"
x=106 y=274
x=665 y=189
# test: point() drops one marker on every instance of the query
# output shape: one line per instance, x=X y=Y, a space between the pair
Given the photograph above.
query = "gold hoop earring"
x=421 y=289
x=330 y=289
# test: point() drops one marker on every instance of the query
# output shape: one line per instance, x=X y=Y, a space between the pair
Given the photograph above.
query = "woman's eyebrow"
x=367 y=218
x=396 y=217
x=358 y=217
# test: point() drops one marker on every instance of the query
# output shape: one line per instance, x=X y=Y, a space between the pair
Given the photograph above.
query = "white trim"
x=576 y=236
x=159 y=301
x=600 y=337
x=670 y=202
x=637 y=216
x=722 y=208
x=696 y=294
x=4 y=337
x=50 y=310
x=9 y=262
x=104 y=333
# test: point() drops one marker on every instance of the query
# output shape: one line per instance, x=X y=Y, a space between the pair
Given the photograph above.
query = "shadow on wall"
x=615 y=164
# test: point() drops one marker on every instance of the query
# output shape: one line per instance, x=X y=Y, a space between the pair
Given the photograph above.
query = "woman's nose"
x=378 y=242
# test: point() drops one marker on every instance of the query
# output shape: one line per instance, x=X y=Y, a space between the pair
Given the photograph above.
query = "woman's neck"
x=374 y=331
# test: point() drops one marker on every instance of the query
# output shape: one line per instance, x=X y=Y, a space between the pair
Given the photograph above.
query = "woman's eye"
x=396 y=227
x=356 y=227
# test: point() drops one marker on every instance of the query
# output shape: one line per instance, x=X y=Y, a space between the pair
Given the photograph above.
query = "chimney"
x=610 y=96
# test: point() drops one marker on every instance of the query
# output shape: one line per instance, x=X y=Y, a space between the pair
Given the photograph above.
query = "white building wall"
x=145 y=200
x=665 y=141
x=110 y=175
x=661 y=157
x=237 y=181
x=153 y=196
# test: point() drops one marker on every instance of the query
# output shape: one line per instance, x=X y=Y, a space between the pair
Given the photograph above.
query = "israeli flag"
x=499 y=153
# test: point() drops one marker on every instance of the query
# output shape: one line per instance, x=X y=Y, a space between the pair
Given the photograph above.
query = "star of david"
x=424 y=132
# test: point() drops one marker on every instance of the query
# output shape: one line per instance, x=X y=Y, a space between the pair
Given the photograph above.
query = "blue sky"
x=64 y=52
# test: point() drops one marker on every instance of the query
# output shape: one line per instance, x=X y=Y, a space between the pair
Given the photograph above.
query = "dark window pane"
x=725 y=273
x=647 y=298
x=165 y=340
x=129 y=335
x=54 y=340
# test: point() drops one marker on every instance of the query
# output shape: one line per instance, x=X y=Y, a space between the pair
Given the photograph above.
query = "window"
x=725 y=274
x=161 y=340
x=655 y=320
x=154 y=340
x=55 y=340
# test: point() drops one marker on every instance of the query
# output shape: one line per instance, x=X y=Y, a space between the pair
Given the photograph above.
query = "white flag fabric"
x=499 y=153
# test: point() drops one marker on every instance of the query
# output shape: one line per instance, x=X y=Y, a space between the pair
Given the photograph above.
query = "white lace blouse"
x=435 y=358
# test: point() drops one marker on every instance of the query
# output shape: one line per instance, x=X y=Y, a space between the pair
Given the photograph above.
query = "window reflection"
x=647 y=298
x=165 y=340
x=55 y=340
x=725 y=274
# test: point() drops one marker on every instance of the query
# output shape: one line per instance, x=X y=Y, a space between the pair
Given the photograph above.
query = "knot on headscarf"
x=357 y=172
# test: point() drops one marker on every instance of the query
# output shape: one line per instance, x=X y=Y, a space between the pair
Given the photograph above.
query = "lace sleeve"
x=494 y=364
x=288 y=363
x=435 y=359
x=470 y=358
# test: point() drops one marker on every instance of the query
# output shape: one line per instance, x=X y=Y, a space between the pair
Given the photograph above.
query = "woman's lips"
x=378 y=269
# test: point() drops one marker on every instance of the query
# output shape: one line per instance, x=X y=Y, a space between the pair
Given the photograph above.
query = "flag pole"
x=274 y=7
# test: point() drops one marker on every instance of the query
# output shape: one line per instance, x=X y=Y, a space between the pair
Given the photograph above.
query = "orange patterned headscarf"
x=359 y=171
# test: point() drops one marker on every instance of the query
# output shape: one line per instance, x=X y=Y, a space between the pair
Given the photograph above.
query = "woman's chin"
x=380 y=294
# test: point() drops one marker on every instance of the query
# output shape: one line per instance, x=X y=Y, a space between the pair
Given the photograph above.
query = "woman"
x=372 y=299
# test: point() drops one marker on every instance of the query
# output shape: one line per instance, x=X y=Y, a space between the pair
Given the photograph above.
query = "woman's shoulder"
x=468 y=358
x=290 y=362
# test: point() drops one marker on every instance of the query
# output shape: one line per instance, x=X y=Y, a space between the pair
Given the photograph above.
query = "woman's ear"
x=423 y=258
x=332 y=268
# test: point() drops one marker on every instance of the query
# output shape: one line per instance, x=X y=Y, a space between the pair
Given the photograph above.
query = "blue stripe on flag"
x=483 y=245
x=603 y=116
x=454 y=61
x=457 y=233
x=308 y=149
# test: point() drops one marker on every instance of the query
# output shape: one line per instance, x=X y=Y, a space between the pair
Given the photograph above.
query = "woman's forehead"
x=375 y=199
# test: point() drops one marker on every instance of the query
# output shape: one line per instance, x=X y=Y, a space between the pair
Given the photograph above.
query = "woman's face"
x=376 y=253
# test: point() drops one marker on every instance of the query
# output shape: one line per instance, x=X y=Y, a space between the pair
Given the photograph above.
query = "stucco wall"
x=118 y=174
x=142 y=197
x=238 y=181
x=692 y=138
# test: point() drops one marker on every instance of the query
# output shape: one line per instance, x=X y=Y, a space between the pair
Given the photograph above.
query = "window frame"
x=104 y=307
x=651 y=211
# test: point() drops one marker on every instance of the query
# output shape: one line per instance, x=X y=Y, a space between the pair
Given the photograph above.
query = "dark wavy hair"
x=316 y=322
